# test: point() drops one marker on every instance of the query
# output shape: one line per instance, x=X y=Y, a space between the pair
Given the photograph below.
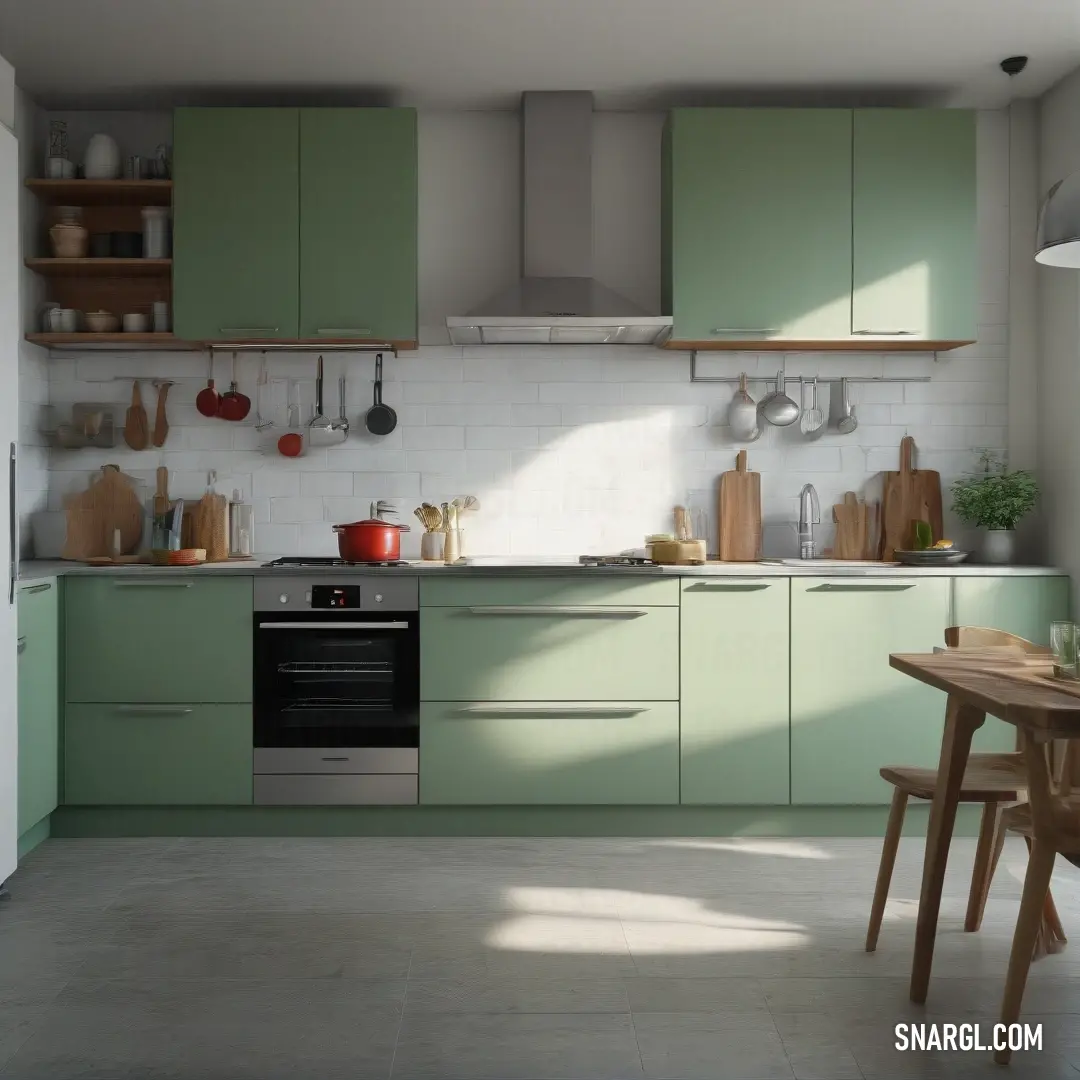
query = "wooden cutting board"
x=851 y=528
x=910 y=495
x=94 y=516
x=739 y=513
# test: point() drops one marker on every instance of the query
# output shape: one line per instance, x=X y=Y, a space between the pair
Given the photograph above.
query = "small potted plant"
x=995 y=500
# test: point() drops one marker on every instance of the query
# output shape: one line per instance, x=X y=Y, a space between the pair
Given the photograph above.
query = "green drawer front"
x=154 y=754
x=735 y=723
x=535 y=754
x=618 y=591
x=549 y=653
x=162 y=639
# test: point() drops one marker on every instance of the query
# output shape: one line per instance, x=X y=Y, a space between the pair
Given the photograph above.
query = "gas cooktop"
x=290 y=562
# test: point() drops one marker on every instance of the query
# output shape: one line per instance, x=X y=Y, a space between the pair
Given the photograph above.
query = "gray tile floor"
x=500 y=958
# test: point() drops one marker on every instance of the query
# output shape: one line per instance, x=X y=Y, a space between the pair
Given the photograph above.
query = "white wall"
x=7 y=94
x=569 y=450
x=1059 y=292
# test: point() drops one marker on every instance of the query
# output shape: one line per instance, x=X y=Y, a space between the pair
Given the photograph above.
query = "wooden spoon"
x=136 y=424
x=161 y=421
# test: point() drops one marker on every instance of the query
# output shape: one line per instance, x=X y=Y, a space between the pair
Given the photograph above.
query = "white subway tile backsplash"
x=272 y=483
x=287 y=509
x=326 y=484
x=434 y=438
x=500 y=438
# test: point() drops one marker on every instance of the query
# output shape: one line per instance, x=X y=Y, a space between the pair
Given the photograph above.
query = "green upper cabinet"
x=236 y=223
x=851 y=713
x=295 y=224
x=39 y=702
x=734 y=691
x=1019 y=605
x=358 y=218
x=831 y=227
x=758 y=224
x=914 y=255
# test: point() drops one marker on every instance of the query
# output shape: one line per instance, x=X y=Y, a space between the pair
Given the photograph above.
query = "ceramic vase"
x=999 y=546
x=102 y=158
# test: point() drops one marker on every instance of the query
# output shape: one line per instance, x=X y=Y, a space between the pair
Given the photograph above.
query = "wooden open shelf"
x=103 y=192
x=113 y=341
x=85 y=268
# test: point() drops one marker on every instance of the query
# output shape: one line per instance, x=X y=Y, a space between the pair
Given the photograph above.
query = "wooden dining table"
x=1022 y=694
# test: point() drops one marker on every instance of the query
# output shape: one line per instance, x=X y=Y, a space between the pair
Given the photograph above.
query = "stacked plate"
x=931 y=557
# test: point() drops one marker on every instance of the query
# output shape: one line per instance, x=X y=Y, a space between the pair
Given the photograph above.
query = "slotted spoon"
x=813 y=419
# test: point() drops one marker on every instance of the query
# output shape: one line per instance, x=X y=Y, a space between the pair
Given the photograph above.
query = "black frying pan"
x=381 y=419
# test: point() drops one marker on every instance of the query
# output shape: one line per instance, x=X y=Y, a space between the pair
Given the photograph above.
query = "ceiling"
x=479 y=54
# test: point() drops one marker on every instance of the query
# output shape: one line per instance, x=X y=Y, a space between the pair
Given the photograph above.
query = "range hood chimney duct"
x=557 y=300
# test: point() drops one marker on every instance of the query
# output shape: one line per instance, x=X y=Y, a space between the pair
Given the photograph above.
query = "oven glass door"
x=323 y=680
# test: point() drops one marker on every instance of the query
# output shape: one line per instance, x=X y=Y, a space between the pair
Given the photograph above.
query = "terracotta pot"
x=370 y=541
x=69 y=241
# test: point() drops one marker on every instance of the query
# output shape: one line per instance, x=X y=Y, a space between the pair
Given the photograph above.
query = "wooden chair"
x=995 y=780
x=1050 y=824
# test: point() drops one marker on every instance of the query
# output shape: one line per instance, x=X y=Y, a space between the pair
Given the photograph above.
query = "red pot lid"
x=376 y=522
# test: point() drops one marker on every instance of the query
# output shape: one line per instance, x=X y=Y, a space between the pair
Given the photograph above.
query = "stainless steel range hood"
x=557 y=300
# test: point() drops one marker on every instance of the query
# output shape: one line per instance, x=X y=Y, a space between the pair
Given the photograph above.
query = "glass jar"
x=155 y=232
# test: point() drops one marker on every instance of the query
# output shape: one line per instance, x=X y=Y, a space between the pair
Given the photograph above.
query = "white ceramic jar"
x=102 y=160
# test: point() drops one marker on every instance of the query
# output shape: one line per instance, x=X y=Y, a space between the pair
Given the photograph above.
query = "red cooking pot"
x=370 y=541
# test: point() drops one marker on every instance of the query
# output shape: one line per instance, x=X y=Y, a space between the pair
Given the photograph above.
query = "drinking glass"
x=1063 y=643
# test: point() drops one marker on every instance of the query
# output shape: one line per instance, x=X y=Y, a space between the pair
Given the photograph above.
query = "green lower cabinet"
x=851 y=713
x=542 y=753
x=518 y=652
x=39 y=702
x=1020 y=605
x=158 y=638
x=735 y=732
x=153 y=754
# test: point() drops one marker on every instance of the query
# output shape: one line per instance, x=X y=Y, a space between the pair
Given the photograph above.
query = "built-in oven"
x=337 y=690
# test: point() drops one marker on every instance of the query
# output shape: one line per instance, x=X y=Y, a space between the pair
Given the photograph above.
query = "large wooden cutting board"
x=93 y=517
x=910 y=495
x=739 y=513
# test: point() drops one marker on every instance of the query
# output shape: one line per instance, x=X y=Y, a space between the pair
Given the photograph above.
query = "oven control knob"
x=378 y=598
x=284 y=598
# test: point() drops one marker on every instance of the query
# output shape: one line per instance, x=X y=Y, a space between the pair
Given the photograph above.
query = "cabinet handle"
x=863 y=586
x=495 y=709
x=752 y=331
x=344 y=331
x=561 y=609
x=21 y=646
x=38 y=588
x=154 y=710
x=152 y=584
x=729 y=586
x=889 y=333
x=13 y=522
x=333 y=626
x=248 y=329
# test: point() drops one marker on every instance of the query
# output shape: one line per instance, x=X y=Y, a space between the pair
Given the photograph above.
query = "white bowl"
x=136 y=323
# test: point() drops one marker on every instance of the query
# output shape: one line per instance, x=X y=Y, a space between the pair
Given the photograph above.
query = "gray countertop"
x=37 y=570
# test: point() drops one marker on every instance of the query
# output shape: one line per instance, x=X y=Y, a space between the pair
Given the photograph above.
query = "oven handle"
x=333 y=626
